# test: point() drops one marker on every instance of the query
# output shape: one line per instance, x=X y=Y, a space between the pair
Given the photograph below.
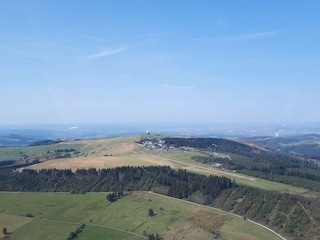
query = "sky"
x=140 y=61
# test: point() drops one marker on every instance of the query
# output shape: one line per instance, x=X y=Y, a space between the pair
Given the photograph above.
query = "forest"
x=265 y=164
x=291 y=215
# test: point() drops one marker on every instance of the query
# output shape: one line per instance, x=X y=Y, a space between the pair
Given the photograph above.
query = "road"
x=206 y=168
x=196 y=204
x=217 y=209
x=134 y=233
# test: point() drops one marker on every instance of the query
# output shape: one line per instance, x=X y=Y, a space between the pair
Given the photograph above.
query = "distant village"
x=160 y=145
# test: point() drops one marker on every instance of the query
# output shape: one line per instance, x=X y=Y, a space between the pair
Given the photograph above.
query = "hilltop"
x=254 y=171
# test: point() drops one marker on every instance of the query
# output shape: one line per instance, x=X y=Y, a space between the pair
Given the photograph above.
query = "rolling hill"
x=277 y=190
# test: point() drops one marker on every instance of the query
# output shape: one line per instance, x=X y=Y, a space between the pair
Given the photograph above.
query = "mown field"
x=185 y=157
x=56 y=215
x=128 y=216
x=124 y=151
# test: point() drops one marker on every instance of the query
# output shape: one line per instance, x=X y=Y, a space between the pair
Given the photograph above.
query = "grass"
x=272 y=186
x=126 y=152
x=12 y=222
x=19 y=153
x=42 y=229
x=63 y=207
x=251 y=181
x=185 y=156
x=241 y=230
x=133 y=211
x=57 y=214
x=92 y=162
x=92 y=147
x=100 y=233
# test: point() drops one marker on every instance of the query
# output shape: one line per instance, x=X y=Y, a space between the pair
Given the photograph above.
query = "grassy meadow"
x=58 y=214
x=124 y=151
x=185 y=157
x=102 y=233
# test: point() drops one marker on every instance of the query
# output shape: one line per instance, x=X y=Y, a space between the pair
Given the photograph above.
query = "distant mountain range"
x=18 y=137
x=307 y=145
x=289 y=139
x=14 y=140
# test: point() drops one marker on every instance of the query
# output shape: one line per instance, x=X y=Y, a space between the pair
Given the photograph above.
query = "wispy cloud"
x=107 y=52
x=161 y=35
x=177 y=87
x=240 y=37
x=252 y=35
x=112 y=51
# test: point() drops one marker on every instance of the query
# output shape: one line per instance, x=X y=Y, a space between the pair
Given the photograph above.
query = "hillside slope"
x=295 y=216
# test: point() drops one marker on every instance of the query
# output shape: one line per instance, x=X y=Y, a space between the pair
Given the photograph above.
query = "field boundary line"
x=205 y=168
x=94 y=225
x=220 y=210
x=306 y=211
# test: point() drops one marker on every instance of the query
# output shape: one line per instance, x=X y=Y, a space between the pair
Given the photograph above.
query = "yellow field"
x=99 y=162
x=106 y=153
x=11 y=222
x=124 y=151
x=119 y=145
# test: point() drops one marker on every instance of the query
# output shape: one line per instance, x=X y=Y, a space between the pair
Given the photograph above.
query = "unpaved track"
x=217 y=209
x=204 y=168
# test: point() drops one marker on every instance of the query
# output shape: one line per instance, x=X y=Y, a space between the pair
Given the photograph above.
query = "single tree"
x=111 y=197
x=151 y=237
x=5 y=231
x=150 y=212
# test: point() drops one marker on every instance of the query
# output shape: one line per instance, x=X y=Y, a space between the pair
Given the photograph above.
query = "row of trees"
x=255 y=162
x=74 y=235
x=180 y=184
x=285 y=213
x=279 y=211
x=112 y=197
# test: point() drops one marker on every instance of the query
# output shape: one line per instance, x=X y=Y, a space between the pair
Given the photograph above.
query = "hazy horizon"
x=180 y=62
x=86 y=131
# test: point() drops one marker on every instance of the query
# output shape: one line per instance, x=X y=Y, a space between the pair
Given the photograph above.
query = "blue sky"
x=159 y=61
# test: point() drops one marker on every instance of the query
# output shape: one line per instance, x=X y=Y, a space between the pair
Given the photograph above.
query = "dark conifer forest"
x=288 y=214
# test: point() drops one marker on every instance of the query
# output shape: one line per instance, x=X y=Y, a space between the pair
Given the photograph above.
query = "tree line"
x=282 y=212
x=245 y=159
x=180 y=183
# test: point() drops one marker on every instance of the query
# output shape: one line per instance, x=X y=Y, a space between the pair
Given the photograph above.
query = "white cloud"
x=112 y=51
x=250 y=36
x=177 y=88
x=107 y=52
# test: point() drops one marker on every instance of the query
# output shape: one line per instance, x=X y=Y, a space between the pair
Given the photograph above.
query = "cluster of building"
x=154 y=144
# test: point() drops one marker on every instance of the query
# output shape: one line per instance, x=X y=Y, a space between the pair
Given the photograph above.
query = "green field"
x=43 y=229
x=102 y=233
x=90 y=147
x=56 y=215
x=239 y=178
x=12 y=222
x=19 y=153
x=125 y=151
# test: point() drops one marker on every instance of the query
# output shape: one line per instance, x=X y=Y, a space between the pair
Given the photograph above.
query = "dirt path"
x=205 y=168
x=217 y=209
x=196 y=204
x=306 y=211
x=95 y=225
